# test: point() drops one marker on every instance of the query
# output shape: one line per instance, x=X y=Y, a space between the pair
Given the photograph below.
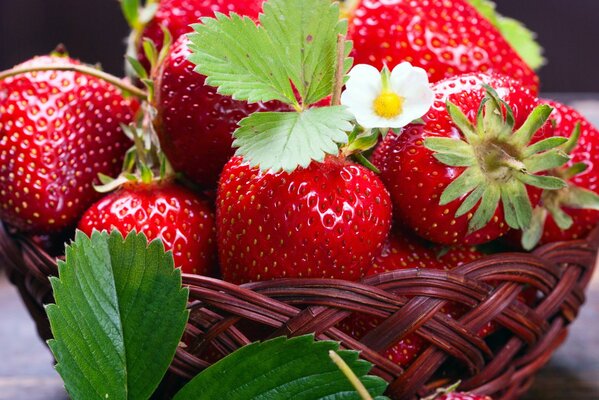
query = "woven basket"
x=225 y=317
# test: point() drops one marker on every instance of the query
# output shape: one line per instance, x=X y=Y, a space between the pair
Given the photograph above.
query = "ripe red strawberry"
x=438 y=171
x=164 y=210
x=325 y=221
x=446 y=38
x=403 y=252
x=177 y=16
x=194 y=123
x=58 y=130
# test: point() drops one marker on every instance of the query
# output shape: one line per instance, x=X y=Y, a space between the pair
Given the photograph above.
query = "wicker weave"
x=225 y=317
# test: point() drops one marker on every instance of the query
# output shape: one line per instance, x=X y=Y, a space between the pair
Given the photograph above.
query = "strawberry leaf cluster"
x=119 y=315
x=291 y=56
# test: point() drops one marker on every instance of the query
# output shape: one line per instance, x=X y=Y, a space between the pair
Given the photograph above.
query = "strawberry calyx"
x=499 y=161
x=553 y=202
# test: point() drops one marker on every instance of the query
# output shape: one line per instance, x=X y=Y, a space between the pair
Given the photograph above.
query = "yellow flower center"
x=388 y=105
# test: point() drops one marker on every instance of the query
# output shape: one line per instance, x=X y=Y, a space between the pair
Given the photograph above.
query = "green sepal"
x=486 y=209
x=573 y=141
x=455 y=160
x=516 y=204
x=470 y=201
x=532 y=234
x=138 y=69
x=362 y=142
x=580 y=198
x=544 y=145
x=359 y=157
x=575 y=169
x=561 y=218
x=542 y=181
x=449 y=146
x=535 y=121
x=462 y=122
x=551 y=159
x=463 y=184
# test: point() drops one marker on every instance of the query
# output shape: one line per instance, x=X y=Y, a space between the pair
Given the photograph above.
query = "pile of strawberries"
x=62 y=126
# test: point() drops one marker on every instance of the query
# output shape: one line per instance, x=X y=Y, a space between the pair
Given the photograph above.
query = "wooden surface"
x=26 y=371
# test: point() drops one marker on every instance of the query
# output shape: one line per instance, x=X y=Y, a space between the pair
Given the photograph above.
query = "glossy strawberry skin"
x=182 y=220
x=416 y=179
x=446 y=38
x=403 y=251
x=58 y=130
x=177 y=16
x=195 y=124
x=325 y=221
x=564 y=120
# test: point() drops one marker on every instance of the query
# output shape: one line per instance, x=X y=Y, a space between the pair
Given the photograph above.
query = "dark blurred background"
x=94 y=31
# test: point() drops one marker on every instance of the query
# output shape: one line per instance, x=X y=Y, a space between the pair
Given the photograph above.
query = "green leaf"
x=305 y=35
x=275 y=141
x=282 y=369
x=240 y=59
x=296 y=43
x=514 y=32
x=118 y=318
x=130 y=9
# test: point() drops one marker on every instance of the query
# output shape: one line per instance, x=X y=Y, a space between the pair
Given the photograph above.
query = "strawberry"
x=325 y=221
x=446 y=38
x=448 y=175
x=402 y=251
x=177 y=15
x=164 y=210
x=58 y=130
x=572 y=212
x=194 y=123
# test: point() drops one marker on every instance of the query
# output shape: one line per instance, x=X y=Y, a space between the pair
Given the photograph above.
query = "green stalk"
x=83 y=69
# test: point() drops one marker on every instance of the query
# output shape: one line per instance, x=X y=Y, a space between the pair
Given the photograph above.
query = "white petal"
x=362 y=88
x=412 y=84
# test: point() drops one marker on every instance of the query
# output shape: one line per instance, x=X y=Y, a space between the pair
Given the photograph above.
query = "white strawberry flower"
x=387 y=99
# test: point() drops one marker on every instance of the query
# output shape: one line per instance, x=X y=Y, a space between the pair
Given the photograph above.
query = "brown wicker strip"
x=225 y=317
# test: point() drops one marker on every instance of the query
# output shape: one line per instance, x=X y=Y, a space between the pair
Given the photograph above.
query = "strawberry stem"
x=83 y=69
x=350 y=375
x=339 y=71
